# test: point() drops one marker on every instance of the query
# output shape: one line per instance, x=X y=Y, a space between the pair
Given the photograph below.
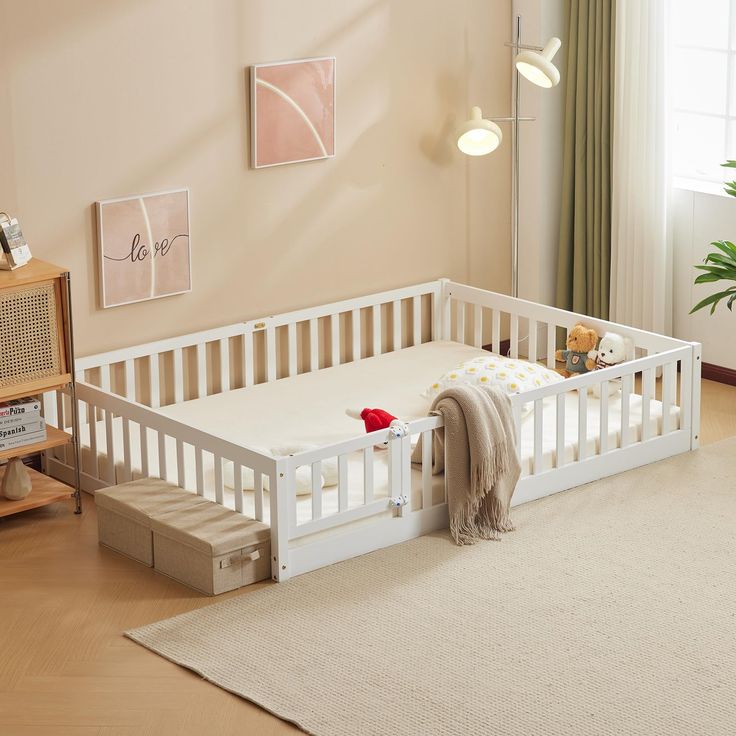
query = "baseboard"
x=718 y=373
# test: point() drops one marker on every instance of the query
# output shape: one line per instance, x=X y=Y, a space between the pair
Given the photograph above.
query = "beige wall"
x=106 y=99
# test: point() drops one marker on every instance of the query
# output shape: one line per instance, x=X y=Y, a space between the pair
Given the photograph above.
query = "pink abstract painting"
x=292 y=111
x=144 y=247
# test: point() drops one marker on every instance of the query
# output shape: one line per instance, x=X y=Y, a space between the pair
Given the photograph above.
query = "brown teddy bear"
x=580 y=340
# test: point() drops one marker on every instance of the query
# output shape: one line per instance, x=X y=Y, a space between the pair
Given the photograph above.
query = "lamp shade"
x=537 y=66
x=478 y=136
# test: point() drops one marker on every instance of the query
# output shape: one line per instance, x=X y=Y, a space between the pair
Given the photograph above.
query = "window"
x=703 y=87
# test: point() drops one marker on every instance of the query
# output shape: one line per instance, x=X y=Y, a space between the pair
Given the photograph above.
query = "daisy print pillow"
x=512 y=375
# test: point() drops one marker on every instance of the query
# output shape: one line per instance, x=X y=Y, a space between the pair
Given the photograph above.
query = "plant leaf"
x=730 y=164
x=706 y=278
x=719 y=259
x=713 y=300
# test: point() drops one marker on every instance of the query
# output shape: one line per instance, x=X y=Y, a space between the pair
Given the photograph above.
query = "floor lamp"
x=479 y=136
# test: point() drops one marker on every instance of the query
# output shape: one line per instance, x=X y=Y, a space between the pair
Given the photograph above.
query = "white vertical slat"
x=416 y=320
x=92 y=430
x=396 y=317
x=334 y=339
x=317 y=490
x=201 y=370
x=342 y=482
x=313 y=345
x=516 y=411
x=130 y=380
x=270 y=353
x=199 y=470
x=224 y=344
x=376 y=316
x=532 y=344
x=291 y=339
x=427 y=469
x=626 y=382
x=181 y=475
x=178 y=375
x=110 y=448
x=238 y=486
x=368 y=474
x=691 y=395
x=127 y=474
x=105 y=378
x=143 y=431
x=394 y=468
x=291 y=496
x=355 y=329
x=551 y=330
x=436 y=314
x=647 y=394
x=603 y=427
x=49 y=408
x=514 y=351
x=668 y=373
x=496 y=331
x=258 y=494
x=249 y=359
x=560 y=431
x=406 y=469
x=478 y=326
x=279 y=501
x=538 y=435
x=582 y=423
x=219 y=486
x=446 y=314
x=162 y=456
x=460 y=322
x=154 y=379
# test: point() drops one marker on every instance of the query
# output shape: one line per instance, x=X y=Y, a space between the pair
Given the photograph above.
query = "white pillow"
x=303 y=473
x=512 y=375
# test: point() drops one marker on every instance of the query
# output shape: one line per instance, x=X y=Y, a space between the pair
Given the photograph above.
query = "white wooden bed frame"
x=132 y=383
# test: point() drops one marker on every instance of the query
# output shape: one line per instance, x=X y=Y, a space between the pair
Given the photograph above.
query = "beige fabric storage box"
x=211 y=548
x=124 y=514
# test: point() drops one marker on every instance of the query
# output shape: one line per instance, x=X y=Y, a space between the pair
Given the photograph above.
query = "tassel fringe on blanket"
x=477 y=452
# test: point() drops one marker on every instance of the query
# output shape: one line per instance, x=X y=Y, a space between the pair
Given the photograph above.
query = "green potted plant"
x=720 y=266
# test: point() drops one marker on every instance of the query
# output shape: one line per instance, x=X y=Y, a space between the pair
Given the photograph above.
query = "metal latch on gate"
x=398 y=503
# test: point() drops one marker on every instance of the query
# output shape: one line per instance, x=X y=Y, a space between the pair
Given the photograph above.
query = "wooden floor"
x=64 y=601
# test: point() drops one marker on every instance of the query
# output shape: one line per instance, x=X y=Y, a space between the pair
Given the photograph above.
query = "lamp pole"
x=515 y=93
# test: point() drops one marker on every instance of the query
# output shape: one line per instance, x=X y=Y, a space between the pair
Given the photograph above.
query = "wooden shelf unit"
x=36 y=303
x=54 y=438
x=46 y=490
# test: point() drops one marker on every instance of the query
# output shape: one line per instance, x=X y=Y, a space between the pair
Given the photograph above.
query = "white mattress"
x=309 y=409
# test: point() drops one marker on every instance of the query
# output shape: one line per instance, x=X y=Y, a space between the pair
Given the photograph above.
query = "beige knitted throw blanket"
x=477 y=452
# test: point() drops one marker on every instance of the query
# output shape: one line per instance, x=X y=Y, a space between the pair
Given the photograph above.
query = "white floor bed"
x=260 y=387
x=309 y=410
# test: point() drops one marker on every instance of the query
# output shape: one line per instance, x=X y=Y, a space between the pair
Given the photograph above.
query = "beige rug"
x=612 y=610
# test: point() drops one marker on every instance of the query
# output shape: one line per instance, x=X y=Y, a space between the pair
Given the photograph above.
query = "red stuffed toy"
x=374 y=419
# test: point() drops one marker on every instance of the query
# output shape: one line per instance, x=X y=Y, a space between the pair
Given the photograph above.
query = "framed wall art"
x=144 y=247
x=292 y=111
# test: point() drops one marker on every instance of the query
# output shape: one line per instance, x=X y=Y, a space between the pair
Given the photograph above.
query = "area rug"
x=611 y=610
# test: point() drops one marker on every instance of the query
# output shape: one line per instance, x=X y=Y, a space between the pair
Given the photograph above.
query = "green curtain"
x=584 y=257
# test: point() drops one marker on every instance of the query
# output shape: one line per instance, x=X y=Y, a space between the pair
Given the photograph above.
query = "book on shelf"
x=22 y=434
x=20 y=408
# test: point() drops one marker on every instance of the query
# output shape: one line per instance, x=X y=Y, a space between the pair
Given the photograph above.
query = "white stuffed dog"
x=612 y=350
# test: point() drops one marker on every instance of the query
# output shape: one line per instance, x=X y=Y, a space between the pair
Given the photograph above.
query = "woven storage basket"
x=124 y=514
x=211 y=548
